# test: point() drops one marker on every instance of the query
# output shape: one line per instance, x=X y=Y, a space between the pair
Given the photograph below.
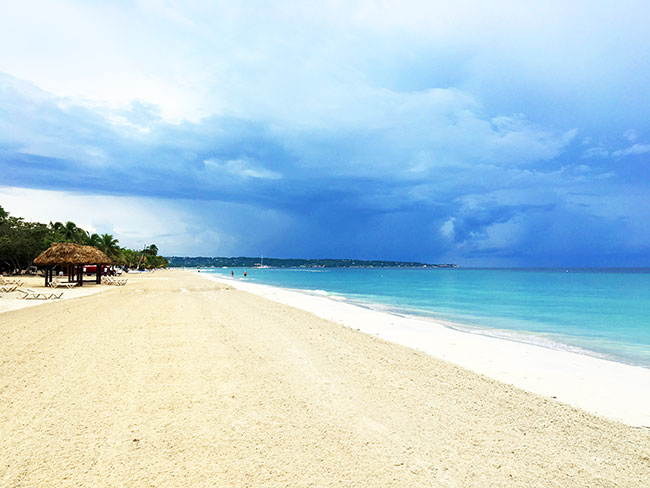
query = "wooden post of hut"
x=48 y=275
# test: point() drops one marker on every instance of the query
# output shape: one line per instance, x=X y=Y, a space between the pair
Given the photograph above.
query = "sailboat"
x=261 y=263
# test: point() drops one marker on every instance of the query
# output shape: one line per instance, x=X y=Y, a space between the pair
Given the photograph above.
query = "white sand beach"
x=175 y=380
x=614 y=390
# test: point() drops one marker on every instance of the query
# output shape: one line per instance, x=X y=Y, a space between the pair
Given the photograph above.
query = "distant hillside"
x=246 y=262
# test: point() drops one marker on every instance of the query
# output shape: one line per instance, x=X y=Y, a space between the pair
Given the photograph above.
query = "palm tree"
x=109 y=245
x=121 y=259
x=94 y=240
x=69 y=232
x=152 y=250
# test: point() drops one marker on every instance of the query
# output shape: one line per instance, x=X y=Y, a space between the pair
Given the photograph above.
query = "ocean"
x=599 y=312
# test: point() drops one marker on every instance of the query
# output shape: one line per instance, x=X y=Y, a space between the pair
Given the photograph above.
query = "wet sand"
x=174 y=380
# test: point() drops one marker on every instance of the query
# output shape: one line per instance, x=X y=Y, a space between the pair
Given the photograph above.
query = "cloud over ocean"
x=483 y=135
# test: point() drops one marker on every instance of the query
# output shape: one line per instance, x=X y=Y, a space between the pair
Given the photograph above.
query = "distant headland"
x=243 y=262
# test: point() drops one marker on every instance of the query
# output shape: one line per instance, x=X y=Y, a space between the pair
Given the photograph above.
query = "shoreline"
x=600 y=386
x=566 y=320
x=518 y=336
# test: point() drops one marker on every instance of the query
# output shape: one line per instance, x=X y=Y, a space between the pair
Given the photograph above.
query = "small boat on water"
x=260 y=265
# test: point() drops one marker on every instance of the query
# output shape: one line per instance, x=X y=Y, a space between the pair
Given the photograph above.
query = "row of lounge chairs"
x=8 y=286
x=56 y=283
x=6 y=282
x=29 y=294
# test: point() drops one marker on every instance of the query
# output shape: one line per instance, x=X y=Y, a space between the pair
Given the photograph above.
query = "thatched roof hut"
x=61 y=253
x=73 y=257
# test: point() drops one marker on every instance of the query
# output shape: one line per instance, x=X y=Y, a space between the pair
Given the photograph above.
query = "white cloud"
x=447 y=228
x=273 y=61
x=177 y=227
x=501 y=235
x=134 y=221
x=630 y=135
x=632 y=150
x=241 y=168
x=596 y=152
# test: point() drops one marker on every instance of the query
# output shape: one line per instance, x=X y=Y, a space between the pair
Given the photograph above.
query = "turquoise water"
x=605 y=313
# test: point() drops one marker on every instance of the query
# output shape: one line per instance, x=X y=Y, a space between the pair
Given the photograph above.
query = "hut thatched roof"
x=70 y=253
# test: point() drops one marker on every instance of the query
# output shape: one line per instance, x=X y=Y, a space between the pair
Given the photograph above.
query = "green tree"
x=151 y=250
x=94 y=240
x=20 y=241
x=131 y=258
x=69 y=232
x=109 y=245
x=150 y=258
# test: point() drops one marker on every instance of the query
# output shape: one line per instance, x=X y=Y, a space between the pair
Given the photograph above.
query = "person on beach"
x=244 y=274
x=232 y=273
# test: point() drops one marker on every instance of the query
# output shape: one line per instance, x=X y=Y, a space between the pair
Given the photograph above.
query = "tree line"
x=21 y=242
x=238 y=262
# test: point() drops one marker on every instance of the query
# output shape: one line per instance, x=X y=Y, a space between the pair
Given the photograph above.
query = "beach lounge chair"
x=29 y=294
x=4 y=281
x=8 y=288
x=56 y=283
x=109 y=280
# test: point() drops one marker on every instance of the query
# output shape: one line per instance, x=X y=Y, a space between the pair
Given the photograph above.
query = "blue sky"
x=500 y=133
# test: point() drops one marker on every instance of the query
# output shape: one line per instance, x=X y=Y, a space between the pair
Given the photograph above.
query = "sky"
x=483 y=133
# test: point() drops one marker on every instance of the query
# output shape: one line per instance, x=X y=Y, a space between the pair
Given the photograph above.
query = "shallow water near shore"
x=600 y=312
